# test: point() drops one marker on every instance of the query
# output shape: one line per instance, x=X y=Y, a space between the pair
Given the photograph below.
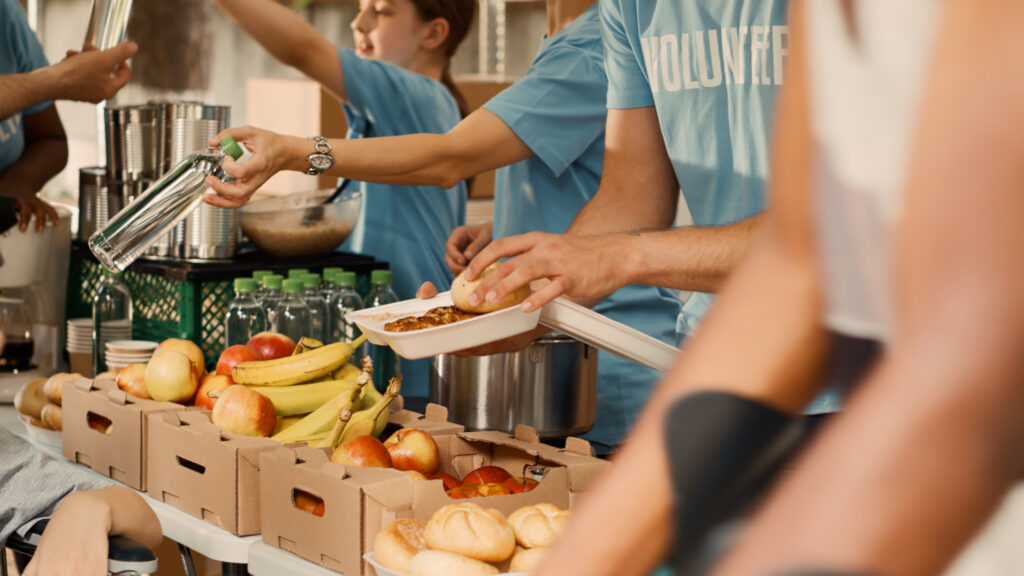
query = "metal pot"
x=550 y=385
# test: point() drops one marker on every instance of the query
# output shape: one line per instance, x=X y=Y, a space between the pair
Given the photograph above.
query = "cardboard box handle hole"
x=198 y=468
x=308 y=502
x=101 y=424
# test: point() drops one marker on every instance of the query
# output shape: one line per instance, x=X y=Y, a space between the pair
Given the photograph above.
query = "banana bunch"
x=320 y=421
x=311 y=364
x=304 y=398
x=364 y=422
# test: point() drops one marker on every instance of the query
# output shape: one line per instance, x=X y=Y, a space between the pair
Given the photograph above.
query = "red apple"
x=190 y=349
x=485 y=475
x=416 y=476
x=171 y=377
x=492 y=489
x=319 y=510
x=450 y=482
x=132 y=379
x=464 y=491
x=270 y=345
x=413 y=449
x=210 y=383
x=364 y=451
x=235 y=355
x=519 y=484
x=244 y=411
x=100 y=424
x=309 y=503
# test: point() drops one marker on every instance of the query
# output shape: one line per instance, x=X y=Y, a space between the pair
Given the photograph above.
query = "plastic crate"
x=188 y=300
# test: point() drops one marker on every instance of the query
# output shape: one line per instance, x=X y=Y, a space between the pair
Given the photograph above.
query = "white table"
x=265 y=560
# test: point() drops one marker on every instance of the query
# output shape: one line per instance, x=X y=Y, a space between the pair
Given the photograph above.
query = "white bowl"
x=132 y=346
x=26 y=255
x=43 y=435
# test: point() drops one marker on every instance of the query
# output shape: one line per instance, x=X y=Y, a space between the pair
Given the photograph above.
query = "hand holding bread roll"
x=472 y=531
x=440 y=563
x=461 y=289
x=539 y=525
x=397 y=544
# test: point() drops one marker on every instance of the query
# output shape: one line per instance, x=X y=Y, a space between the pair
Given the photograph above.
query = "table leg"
x=186 y=560
x=229 y=569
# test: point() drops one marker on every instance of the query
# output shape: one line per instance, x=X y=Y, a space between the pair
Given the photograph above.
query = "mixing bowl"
x=300 y=225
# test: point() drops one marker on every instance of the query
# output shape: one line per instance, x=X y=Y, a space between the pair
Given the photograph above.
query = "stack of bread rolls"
x=469 y=540
x=41 y=400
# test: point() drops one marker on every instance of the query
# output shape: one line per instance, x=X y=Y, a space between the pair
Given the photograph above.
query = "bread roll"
x=31 y=398
x=472 y=531
x=461 y=289
x=526 y=559
x=53 y=417
x=440 y=563
x=537 y=526
x=54 y=386
x=396 y=545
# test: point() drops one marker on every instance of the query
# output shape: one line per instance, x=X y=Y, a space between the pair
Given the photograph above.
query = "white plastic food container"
x=439 y=339
x=382 y=571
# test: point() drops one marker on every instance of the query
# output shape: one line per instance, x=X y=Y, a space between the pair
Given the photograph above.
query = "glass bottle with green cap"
x=317 y=307
x=292 y=316
x=258 y=276
x=162 y=206
x=111 y=316
x=272 y=295
x=346 y=300
x=385 y=361
x=245 y=317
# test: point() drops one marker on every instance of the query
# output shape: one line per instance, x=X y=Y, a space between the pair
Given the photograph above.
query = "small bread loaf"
x=537 y=526
x=54 y=386
x=526 y=559
x=396 y=545
x=31 y=398
x=472 y=531
x=53 y=417
x=440 y=563
x=461 y=289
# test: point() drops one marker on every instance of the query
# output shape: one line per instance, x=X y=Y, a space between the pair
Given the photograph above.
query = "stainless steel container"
x=96 y=201
x=551 y=385
x=131 y=140
x=108 y=23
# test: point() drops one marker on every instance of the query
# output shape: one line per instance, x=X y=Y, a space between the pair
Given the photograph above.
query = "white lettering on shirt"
x=710 y=58
x=11 y=129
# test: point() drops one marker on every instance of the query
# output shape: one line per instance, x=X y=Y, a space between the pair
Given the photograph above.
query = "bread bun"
x=440 y=563
x=53 y=417
x=539 y=525
x=461 y=289
x=396 y=545
x=31 y=398
x=526 y=559
x=54 y=386
x=472 y=531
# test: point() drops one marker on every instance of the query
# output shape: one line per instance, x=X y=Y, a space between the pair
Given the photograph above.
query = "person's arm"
x=75 y=540
x=613 y=531
x=45 y=154
x=928 y=448
x=480 y=142
x=90 y=76
x=290 y=39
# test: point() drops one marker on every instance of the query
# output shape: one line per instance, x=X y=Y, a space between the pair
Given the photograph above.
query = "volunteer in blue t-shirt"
x=397 y=81
x=546 y=134
x=33 y=147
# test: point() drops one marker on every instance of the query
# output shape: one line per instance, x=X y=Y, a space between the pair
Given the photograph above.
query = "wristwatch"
x=321 y=160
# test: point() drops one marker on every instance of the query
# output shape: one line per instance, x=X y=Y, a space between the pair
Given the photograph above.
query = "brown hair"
x=460 y=15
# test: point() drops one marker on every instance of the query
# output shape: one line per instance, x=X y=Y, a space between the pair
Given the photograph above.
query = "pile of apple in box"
x=332 y=514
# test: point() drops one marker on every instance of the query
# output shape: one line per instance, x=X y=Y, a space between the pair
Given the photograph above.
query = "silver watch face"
x=321 y=161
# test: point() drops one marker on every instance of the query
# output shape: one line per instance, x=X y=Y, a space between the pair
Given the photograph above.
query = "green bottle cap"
x=259 y=275
x=273 y=282
x=311 y=280
x=330 y=271
x=244 y=284
x=380 y=277
x=297 y=272
x=231 y=147
x=293 y=286
x=111 y=273
x=345 y=278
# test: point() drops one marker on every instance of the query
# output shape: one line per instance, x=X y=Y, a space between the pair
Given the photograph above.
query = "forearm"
x=284 y=34
x=22 y=91
x=41 y=161
x=130 y=516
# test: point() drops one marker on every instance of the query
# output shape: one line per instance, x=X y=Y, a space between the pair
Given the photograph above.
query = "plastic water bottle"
x=330 y=289
x=258 y=276
x=317 y=306
x=345 y=300
x=292 y=317
x=272 y=296
x=111 y=316
x=385 y=361
x=245 y=317
x=297 y=273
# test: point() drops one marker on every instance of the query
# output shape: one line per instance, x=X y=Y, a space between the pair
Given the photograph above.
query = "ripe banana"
x=365 y=378
x=295 y=369
x=286 y=422
x=348 y=371
x=306 y=344
x=303 y=398
x=321 y=419
x=331 y=439
x=370 y=397
x=312 y=439
x=364 y=422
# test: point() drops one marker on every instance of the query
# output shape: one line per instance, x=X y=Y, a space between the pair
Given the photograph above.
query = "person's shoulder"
x=581 y=40
x=375 y=76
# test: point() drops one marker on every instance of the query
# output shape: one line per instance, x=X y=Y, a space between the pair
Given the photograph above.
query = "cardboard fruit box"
x=106 y=429
x=359 y=502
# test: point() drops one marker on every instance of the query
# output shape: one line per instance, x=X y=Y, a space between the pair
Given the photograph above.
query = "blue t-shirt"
x=20 y=52
x=712 y=70
x=407 y=226
x=558 y=110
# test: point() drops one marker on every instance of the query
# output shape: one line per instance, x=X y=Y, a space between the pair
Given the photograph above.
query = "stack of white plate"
x=121 y=353
x=80 y=334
